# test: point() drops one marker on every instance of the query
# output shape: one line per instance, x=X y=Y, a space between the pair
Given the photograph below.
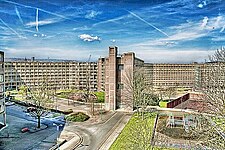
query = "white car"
x=9 y=103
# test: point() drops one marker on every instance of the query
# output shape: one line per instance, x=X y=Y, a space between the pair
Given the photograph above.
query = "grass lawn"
x=220 y=123
x=65 y=94
x=163 y=104
x=136 y=134
x=18 y=97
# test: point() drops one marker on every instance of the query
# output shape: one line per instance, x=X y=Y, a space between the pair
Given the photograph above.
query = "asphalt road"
x=93 y=136
x=20 y=112
x=11 y=137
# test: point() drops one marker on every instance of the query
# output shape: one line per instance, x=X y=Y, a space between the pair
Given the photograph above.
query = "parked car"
x=23 y=130
x=8 y=98
x=9 y=103
x=31 y=109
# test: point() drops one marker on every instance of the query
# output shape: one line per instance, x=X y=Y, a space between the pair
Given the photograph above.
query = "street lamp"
x=56 y=99
x=57 y=129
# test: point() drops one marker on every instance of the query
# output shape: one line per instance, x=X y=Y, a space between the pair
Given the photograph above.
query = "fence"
x=178 y=101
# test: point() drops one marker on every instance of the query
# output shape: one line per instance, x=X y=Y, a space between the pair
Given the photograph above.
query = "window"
x=120 y=67
x=119 y=86
x=1 y=57
x=1 y=78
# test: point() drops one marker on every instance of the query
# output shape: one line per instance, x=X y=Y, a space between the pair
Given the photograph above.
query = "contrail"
x=31 y=7
x=135 y=15
x=18 y=14
x=37 y=20
x=20 y=36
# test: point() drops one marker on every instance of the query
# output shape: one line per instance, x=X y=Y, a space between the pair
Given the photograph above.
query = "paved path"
x=95 y=135
x=92 y=133
x=112 y=137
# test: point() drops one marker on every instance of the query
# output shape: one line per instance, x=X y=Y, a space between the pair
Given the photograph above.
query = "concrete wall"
x=110 y=79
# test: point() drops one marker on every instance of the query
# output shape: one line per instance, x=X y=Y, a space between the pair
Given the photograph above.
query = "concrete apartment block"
x=60 y=75
x=101 y=74
x=2 y=90
x=171 y=75
x=107 y=74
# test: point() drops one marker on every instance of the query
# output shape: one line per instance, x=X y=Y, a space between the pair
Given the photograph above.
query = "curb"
x=37 y=129
x=58 y=145
x=72 y=143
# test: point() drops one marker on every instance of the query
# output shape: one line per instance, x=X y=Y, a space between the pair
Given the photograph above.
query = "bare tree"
x=166 y=92
x=211 y=128
x=42 y=99
x=137 y=88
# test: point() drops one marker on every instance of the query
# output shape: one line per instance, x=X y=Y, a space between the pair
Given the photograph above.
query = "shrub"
x=68 y=111
x=163 y=104
x=77 y=117
x=100 y=96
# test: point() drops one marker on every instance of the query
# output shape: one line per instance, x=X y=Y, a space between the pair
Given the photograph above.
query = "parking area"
x=11 y=137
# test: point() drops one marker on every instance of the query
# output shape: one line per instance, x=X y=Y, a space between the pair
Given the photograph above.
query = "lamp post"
x=57 y=129
x=56 y=99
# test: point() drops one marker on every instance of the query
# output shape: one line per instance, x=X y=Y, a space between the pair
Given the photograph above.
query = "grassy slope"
x=121 y=143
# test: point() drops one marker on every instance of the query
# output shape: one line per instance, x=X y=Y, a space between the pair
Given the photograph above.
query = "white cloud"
x=201 y=5
x=215 y=23
x=89 y=38
x=43 y=22
x=176 y=56
x=113 y=40
x=81 y=28
x=204 y=22
x=186 y=32
x=218 y=39
x=114 y=20
x=55 y=53
x=222 y=29
x=92 y=14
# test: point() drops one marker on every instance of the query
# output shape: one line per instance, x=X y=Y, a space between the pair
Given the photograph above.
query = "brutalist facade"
x=2 y=89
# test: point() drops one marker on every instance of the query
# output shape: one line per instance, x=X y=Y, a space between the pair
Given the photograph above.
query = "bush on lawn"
x=77 y=117
x=68 y=111
x=100 y=97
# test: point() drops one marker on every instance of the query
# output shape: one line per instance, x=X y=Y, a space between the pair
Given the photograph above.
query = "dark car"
x=31 y=109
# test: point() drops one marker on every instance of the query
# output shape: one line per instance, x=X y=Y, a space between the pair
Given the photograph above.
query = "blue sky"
x=159 y=31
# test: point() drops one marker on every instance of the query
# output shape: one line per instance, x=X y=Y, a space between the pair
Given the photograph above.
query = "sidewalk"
x=72 y=136
x=113 y=136
x=71 y=139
